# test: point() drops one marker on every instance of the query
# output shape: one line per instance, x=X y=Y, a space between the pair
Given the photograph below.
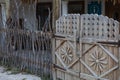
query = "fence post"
x=53 y=58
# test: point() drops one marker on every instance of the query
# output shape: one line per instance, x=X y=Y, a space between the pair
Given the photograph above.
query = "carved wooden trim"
x=109 y=53
x=89 y=49
x=73 y=63
x=60 y=60
x=88 y=68
x=60 y=45
x=58 y=67
x=114 y=68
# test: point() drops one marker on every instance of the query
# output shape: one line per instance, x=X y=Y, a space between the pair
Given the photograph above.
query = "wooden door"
x=66 y=58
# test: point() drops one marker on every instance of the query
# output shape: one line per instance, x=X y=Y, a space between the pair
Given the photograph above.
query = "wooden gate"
x=86 y=48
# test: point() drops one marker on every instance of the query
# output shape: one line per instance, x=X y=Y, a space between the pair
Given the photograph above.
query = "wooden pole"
x=56 y=13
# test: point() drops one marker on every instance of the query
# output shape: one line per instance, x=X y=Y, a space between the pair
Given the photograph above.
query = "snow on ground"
x=7 y=76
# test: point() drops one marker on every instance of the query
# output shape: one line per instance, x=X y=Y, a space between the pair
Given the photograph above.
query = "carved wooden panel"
x=66 y=57
x=100 y=28
x=86 y=48
x=99 y=61
x=68 y=25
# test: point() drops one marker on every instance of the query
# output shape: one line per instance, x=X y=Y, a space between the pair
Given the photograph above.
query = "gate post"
x=56 y=13
x=53 y=58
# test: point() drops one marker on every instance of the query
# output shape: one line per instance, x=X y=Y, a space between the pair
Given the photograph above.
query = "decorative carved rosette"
x=98 y=61
x=66 y=53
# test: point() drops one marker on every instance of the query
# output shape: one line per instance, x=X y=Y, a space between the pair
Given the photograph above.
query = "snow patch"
x=7 y=76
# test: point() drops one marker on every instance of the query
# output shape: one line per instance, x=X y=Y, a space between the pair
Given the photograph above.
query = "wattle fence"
x=28 y=51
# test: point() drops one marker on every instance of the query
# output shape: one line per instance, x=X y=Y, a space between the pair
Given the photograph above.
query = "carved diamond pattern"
x=98 y=61
x=66 y=53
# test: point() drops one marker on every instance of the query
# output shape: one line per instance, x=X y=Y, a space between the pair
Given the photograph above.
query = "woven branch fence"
x=27 y=51
x=24 y=47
